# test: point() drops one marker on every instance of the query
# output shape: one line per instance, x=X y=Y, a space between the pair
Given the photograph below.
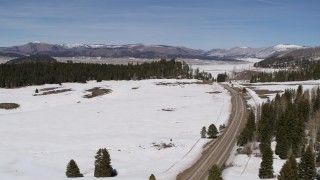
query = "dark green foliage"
x=316 y=101
x=212 y=131
x=203 y=132
x=33 y=59
x=247 y=133
x=307 y=71
x=282 y=147
x=282 y=62
x=36 y=91
x=287 y=172
x=215 y=173
x=307 y=167
x=293 y=163
x=202 y=75
x=102 y=166
x=222 y=77
x=266 y=166
x=244 y=90
x=15 y=75
x=266 y=124
x=73 y=170
x=152 y=177
x=222 y=127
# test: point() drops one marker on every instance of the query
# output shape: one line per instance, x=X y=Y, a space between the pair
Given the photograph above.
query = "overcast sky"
x=199 y=24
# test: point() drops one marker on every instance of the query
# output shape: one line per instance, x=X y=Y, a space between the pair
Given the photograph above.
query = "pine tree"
x=307 y=167
x=102 y=164
x=293 y=163
x=215 y=173
x=106 y=168
x=152 y=177
x=36 y=91
x=203 y=132
x=212 y=131
x=266 y=166
x=73 y=170
x=282 y=147
x=247 y=133
x=287 y=172
x=97 y=164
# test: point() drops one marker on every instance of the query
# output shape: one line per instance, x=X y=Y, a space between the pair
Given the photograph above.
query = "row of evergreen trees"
x=283 y=62
x=308 y=71
x=102 y=166
x=16 y=75
x=285 y=118
x=211 y=133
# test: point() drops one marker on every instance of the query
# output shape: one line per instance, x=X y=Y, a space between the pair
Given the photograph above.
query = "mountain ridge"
x=146 y=51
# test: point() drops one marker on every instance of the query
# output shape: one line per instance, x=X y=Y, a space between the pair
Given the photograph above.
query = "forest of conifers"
x=16 y=75
x=309 y=72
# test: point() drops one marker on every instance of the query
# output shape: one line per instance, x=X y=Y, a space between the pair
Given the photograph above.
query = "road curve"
x=219 y=150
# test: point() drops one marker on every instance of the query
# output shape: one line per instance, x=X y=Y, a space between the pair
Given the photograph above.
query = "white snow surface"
x=285 y=47
x=39 y=138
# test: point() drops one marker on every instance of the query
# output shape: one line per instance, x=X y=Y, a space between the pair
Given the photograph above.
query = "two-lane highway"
x=219 y=151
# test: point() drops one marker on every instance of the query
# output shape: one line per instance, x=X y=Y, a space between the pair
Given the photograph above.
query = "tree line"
x=307 y=71
x=16 y=75
x=283 y=62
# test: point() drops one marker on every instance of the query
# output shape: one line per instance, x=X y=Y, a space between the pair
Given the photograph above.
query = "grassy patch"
x=97 y=91
x=214 y=92
x=163 y=145
x=168 y=109
x=8 y=106
x=53 y=92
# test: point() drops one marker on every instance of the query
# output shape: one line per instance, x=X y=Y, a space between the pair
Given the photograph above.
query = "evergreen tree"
x=203 y=132
x=287 y=172
x=36 y=91
x=106 y=168
x=294 y=164
x=306 y=167
x=73 y=170
x=282 y=147
x=152 y=177
x=215 y=173
x=212 y=131
x=222 y=77
x=247 y=133
x=266 y=166
x=102 y=164
x=97 y=164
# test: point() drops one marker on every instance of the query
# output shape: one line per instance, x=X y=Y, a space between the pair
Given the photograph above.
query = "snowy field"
x=244 y=167
x=40 y=137
x=220 y=67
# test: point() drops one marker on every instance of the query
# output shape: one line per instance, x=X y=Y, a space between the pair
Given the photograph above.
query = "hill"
x=32 y=59
x=145 y=51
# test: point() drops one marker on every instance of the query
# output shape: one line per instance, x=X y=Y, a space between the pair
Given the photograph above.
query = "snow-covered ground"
x=39 y=138
x=244 y=167
x=220 y=67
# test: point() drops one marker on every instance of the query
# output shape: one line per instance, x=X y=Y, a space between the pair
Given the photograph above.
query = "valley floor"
x=147 y=128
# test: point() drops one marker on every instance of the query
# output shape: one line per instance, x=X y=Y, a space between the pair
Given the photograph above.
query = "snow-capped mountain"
x=146 y=51
x=248 y=52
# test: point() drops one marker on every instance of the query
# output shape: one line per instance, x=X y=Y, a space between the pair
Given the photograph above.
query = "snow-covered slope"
x=39 y=139
x=247 y=52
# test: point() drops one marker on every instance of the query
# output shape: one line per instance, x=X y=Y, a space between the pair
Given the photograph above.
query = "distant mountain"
x=145 y=51
x=247 y=52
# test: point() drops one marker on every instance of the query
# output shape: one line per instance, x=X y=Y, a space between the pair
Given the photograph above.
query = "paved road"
x=219 y=150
